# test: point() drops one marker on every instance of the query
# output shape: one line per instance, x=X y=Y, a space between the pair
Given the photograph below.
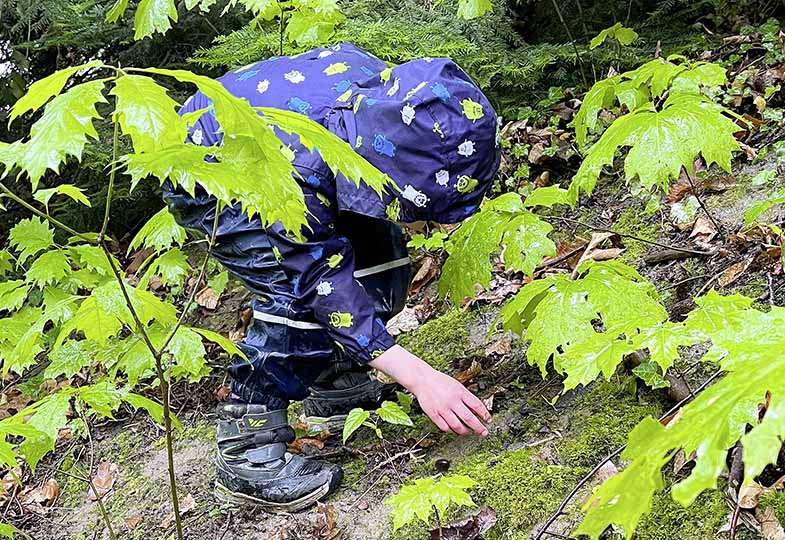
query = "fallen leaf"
x=733 y=272
x=133 y=521
x=595 y=253
x=207 y=298
x=404 y=322
x=488 y=402
x=470 y=373
x=362 y=505
x=222 y=392
x=326 y=523
x=770 y=527
x=300 y=445
x=703 y=230
x=608 y=470
x=499 y=347
x=760 y=103
x=679 y=191
x=42 y=495
x=187 y=504
x=470 y=528
x=12 y=401
x=241 y=327
x=137 y=259
x=103 y=480
x=426 y=272
x=749 y=495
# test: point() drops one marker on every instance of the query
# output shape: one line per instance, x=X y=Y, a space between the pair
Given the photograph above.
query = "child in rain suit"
x=320 y=305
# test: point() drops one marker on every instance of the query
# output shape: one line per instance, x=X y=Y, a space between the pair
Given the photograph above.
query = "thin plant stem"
x=572 y=41
x=200 y=277
x=112 y=172
x=703 y=206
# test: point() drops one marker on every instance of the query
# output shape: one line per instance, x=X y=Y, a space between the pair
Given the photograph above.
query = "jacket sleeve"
x=322 y=270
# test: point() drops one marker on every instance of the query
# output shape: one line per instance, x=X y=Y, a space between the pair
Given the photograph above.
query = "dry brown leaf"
x=608 y=470
x=326 y=523
x=749 y=495
x=733 y=272
x=300 y=446
x=679 y=191
x=12 y=401
x=703 y=230
x=405 y=321
x=426 y=273
x=499 y=347
x=104 y=479
x=771 y=529
x=222 y=392
x=207 y=298
x=133 y=521
x=488 y=402
x=760 y=103
x=187 y=504
x=43 y=494
x=594 y=252
x=469 y=373
x=241 y=327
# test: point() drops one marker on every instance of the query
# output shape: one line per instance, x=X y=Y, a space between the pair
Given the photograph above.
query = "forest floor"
x=542 y=443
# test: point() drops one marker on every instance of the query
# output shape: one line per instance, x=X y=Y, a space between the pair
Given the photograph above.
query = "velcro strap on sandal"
x=267 y=420
x=266 y=454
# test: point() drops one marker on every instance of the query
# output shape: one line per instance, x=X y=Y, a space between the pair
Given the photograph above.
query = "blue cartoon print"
x=245 y=75
x=440 y=91
x=383 y=146
x=342 y=86
x=313 y=180
x=298 y=105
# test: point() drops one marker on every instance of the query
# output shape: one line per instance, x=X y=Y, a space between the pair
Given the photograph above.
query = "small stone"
x=442 y=465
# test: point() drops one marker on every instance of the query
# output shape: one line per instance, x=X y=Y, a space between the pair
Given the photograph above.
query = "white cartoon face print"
x=294 y=77
x=466 y=148
x=417 y=197
x=325 y=288
x=325 y=54
x=442 y=177
x=263 y=86
x=394 y=89
x=197 y=136
x=407 y=114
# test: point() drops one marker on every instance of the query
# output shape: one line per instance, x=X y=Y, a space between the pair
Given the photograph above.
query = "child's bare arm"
x=446 y=401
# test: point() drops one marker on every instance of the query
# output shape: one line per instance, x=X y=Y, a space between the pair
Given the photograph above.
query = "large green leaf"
x=147 y=113
x=51 y=267
x=471 y=9
x=30 y=236
x=47 y=416
x=418 y=500
x=337 y=153
x=61 y=131
x=662 y=142
x=160 y=233
x=620 y=33
x=45 y=89
x=502 y=223
x=153 y=16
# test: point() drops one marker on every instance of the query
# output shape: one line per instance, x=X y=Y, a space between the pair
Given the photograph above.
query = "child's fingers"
x=437 y=419
x=455 y=423
x=477 y=406
x=470 y=419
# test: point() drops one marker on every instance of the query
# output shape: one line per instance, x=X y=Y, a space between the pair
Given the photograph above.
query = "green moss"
x=441 y=340
x=521 y=487
x=700 y=521
x=601 y=422
x=353 y=471
x=630 y=221
x=774 y=500
x=203 y=431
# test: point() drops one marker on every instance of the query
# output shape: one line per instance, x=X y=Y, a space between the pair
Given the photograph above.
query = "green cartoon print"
x=339 y=319
x=472 y=110
x=466 y=184
x=334 y=260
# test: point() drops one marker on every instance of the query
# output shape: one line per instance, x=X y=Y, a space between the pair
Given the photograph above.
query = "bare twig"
x=630 y=236
x=703 y=206
x=572 y=41
x=560 y=511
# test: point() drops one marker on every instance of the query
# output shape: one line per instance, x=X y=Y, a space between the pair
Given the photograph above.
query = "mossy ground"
x=443 y=340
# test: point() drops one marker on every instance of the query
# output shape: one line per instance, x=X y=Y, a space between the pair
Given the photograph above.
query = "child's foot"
x=328 y=405
x=254 y=468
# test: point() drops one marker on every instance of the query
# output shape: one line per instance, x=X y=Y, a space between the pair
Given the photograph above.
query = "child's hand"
x=446 y=401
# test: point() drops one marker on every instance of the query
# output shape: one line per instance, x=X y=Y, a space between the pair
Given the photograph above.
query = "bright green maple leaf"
x=223 y=342
x=59 y=305
x=188 y=352
x=471 y=9
x=93 y=321
x=501 y=223
x=51 y=267
x=147 y=113
x=45 y=89
x=309 y=27
x=77 y=194
x=47 y=416
x=153 y=16
x=61 y=131
x=172 y=267
x=69 y=359
x=751 y=355
x=662 y=142
x=93 y=258
x=417 y=501
x=160 y=233
x=12 y=294
x=116 y=11
x=337 y=153
x=5 y=262
x=30 y=236
x=393 y=413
